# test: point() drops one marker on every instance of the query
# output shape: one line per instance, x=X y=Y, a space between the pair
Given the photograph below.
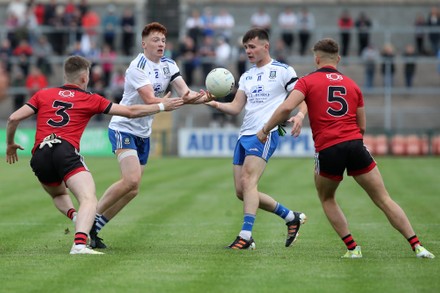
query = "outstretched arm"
x=13 y=121
x=281 y=113
x=232 y=108
x=297 y=120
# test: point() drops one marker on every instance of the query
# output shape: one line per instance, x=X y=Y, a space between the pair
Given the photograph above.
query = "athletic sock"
x=100 y=221
x=284 y=212
x=414 y=241
x=71 y=213
x=349 y=242
x=80 y=238
x=248 y=224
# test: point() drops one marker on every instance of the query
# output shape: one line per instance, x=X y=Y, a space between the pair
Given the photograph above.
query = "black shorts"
x=53 y=165
x=351 y=155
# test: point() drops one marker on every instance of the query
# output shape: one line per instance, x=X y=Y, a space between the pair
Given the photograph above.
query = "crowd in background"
x=36 y=32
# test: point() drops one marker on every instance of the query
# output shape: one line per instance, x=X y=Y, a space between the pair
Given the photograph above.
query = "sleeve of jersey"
x=301 y=86
x=174 y=71
x=290 y=78
x=33 y=102
x=241 y=82
x=361 y=97
x=101 y=104
x=137 y=78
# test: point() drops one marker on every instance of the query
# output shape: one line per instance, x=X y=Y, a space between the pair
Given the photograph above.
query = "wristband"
x=300 y=114
x=161 y=107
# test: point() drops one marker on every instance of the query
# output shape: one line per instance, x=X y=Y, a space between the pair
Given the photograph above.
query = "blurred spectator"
x=11 y=24
x=70 y=7
x=433 y=23
x=107 y=58
x=370 y=56
x=38 y=10
x=35 y=80
x=223 y=52
x=43 y=50
x=54 y=17
x=17 y=8
x=261 y=19
x=4 y=82
x=194 y=26
x=128 y=29
x=117 y=84
x=18 y=81
x=188 y=57
x=241 y=58
x=345 y=24
x=419 y=25
x=287 y=22
x=207 y=54
x=90 y=23
x=208 y=22
x=31 y=27
x=110 y=23
x=388 y=66
x=76 y=50
x=280 y=51
x=96 y=76
x=24 y=53
x=224 y=24
x=306 y=24
x=6 y=54
x=170 y=51
x=83 y=7
x=363 y=25
x=409 y=65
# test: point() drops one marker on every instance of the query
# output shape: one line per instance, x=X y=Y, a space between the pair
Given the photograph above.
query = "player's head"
x=326 y=52
x=256 y=44
x=154 y=40
x=76 y=71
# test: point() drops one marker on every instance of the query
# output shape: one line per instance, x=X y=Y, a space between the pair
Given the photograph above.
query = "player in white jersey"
x=146 y=80
x=261 y=90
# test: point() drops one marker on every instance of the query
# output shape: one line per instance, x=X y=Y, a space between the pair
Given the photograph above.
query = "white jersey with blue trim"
x=265 y=88
x=142 y=72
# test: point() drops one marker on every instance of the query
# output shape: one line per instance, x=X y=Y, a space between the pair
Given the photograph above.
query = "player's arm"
x=134 y=111
x=281 y=113
x=232 y=108
x=361 y=119
x=189 y=96
x=297 y=120
x=13 y=121
x=146 y=93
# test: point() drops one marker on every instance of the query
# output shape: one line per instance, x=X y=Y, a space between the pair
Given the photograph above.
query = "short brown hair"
x=153 y=27
x=257 y=32
x=74 y=65
x=327 y=45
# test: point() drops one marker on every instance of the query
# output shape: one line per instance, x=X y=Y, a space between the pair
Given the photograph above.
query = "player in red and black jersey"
x=62 y=115
x=337 y=118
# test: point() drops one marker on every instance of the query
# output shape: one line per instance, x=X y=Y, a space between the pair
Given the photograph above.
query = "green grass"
x=171 y=237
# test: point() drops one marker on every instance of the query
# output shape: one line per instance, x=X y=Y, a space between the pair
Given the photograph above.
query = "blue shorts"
x=250 y=145
x=124 y=140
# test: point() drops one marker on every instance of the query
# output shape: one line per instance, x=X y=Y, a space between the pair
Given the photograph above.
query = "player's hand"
x=11 y=153
x=208 y=97
x=297 y=121
x=193 y=98
x=261 y=136
x=171 y=104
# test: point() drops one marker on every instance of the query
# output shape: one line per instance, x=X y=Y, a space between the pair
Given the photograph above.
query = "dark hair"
x=153 y=27
x=75 y=65
x=327 y=45
x=257 y=32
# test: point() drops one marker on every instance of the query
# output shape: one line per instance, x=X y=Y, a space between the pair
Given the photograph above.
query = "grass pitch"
x=171 y=237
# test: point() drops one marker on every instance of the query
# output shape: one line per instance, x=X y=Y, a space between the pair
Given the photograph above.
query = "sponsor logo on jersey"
x=66 y=94
x=334 y=76
x=257 y=89
x=157 y=87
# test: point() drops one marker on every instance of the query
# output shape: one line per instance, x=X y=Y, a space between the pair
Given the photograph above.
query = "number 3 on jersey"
x=61 y=112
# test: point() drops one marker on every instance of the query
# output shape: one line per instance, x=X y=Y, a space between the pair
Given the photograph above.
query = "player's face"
x=256 y=50
x=154 y=45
